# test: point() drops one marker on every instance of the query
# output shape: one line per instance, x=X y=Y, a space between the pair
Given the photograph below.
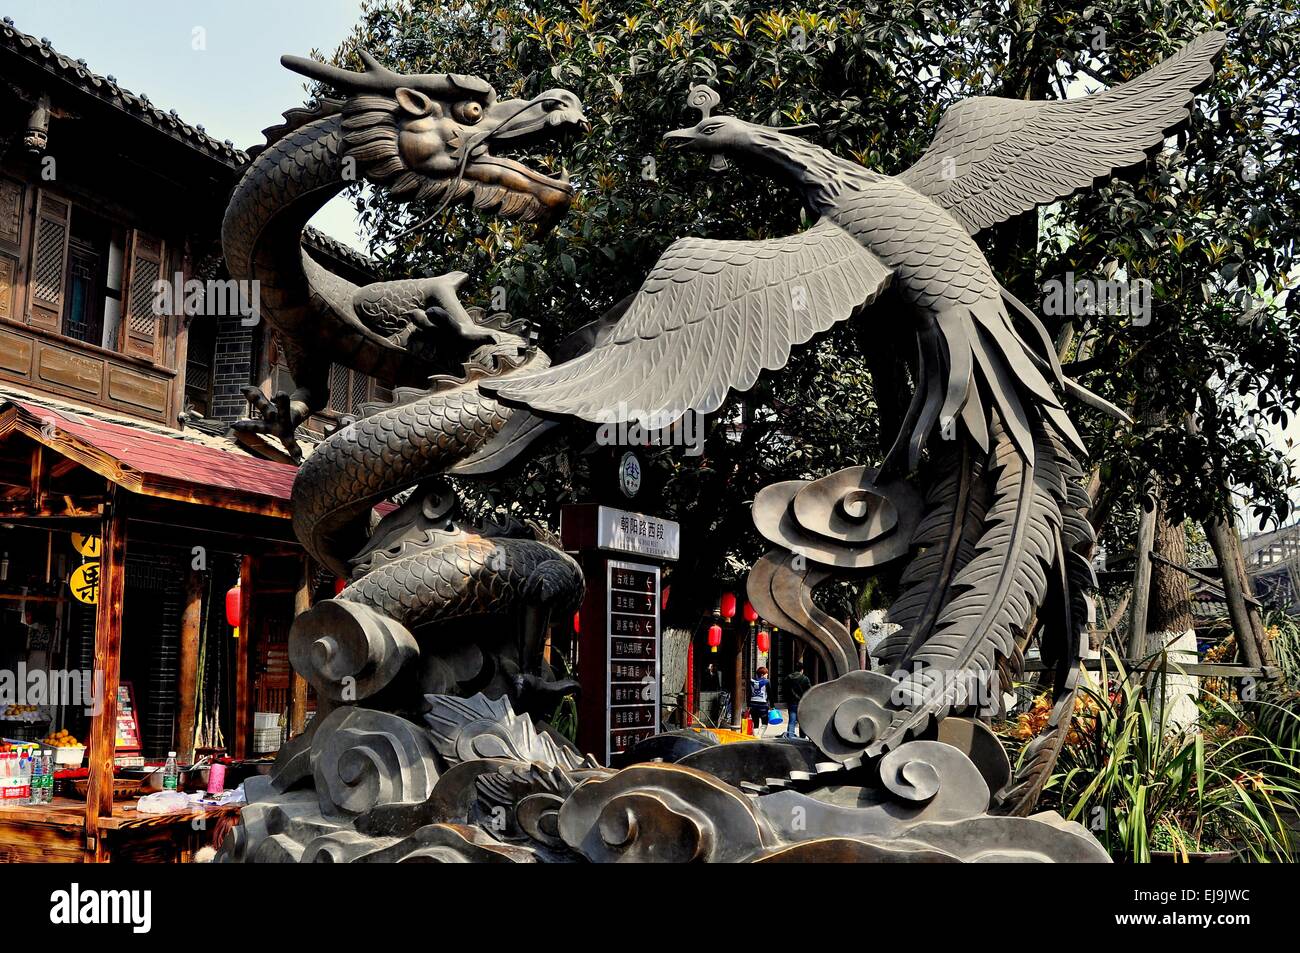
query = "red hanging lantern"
x=234 y=599
x=715 y=637
x=764 y=640
x=727 y=605
x=577 y=623
x=751 y=614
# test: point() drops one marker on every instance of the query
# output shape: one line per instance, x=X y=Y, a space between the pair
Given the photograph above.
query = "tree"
x=1208 y=224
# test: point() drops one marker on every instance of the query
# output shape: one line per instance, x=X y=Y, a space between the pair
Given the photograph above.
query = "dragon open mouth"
x=525 y=193
x=428 y=137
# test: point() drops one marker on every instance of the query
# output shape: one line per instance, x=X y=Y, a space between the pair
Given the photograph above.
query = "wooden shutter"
x=339 y=391
x=49 y=261
x=144 y=329
x=11 y=238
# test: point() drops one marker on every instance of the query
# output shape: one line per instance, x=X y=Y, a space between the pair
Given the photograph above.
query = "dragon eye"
x=469 y=112
x=710 y=129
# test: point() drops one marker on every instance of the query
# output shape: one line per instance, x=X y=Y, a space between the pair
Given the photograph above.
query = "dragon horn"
x=378 y=78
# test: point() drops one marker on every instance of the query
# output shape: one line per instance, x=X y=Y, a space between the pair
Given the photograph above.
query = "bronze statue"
x=432 y=137
x=430 y=742
x=1003 y=533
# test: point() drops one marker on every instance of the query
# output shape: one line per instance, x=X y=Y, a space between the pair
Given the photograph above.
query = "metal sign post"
x=619 y=643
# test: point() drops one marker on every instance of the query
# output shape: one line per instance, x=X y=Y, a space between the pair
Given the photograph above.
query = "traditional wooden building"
x=116 y=457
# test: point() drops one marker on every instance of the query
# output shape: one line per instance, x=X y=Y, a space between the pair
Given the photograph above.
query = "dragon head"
x=429 y=137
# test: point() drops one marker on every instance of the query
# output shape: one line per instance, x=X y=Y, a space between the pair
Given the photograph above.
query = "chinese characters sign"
x=636 y=533
x=84 y=583
x=86 y=544
x=632 y=709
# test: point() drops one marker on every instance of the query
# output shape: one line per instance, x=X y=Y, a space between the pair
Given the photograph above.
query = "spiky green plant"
x=565 y=720
x=1142 y=784
x=1277 y=717
x=1284 y=632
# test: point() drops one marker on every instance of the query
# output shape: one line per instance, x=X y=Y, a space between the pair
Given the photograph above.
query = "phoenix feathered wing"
x=711 y=316
x=993 y=158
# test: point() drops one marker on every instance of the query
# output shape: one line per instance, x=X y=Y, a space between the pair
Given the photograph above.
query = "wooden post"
x=740 y=703
x=39 y=477
x=1246 y=622
x=688 y=699
x=243 y=648
x=108 y=668
x=298 y=684
x=1146 y=538
x=191 y=627
x=1225 y=542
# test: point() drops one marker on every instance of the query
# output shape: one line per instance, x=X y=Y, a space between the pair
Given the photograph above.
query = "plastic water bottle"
x=171 y=774
x=48 y=778
x=35 y=781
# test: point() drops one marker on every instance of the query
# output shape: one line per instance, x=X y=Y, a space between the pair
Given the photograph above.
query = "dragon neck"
x=820 y=176
x=283 y=187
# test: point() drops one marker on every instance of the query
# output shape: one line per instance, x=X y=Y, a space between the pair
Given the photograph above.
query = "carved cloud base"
x=478 y=783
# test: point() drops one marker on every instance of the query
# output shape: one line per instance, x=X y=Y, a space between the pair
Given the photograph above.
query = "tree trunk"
x=1222 y=534
x=1171 y=590
x=1142 y=548
x=1246 y=623
x=676 y=646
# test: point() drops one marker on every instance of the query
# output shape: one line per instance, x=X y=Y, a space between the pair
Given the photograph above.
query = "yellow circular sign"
x=84 y=583
x=87 y=545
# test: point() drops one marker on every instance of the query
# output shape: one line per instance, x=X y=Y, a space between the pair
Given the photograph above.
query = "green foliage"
x=1284 y=635
x=1141 y=784
x=1277 y=717
x=876 y=77
x=565 y=721
x=1212 y=225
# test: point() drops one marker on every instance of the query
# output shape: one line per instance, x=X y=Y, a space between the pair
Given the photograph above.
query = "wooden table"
x=54 y=833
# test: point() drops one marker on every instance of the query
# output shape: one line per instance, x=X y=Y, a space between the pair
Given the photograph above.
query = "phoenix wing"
x=993 y=158
x=711 y=316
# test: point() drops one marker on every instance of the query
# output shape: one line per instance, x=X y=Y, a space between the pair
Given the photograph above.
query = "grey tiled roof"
x=106 y=88
x=327 y=243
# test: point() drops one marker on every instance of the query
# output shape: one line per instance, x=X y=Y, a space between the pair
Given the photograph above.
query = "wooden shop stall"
x=119 y=551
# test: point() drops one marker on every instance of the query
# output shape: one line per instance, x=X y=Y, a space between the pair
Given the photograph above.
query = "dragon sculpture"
x=981 y=490
x=427 y=137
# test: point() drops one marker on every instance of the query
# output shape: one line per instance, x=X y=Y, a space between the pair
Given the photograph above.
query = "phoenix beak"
x=680 y=138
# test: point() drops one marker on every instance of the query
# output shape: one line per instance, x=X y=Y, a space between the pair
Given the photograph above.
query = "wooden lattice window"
x=49 y=261
x=11 y=222
x=144 y=327
x=339 y=390
x=349 y=389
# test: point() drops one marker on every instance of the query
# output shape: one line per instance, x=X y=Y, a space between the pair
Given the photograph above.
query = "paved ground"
x=773 y=731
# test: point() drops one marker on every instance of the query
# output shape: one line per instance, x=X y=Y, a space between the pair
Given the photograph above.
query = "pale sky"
x=235 y=86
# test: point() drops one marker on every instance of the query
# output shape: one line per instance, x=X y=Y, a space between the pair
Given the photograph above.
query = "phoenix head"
x=775 y=150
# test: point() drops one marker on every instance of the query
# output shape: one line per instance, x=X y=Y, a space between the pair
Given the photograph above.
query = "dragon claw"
x=277 y=417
